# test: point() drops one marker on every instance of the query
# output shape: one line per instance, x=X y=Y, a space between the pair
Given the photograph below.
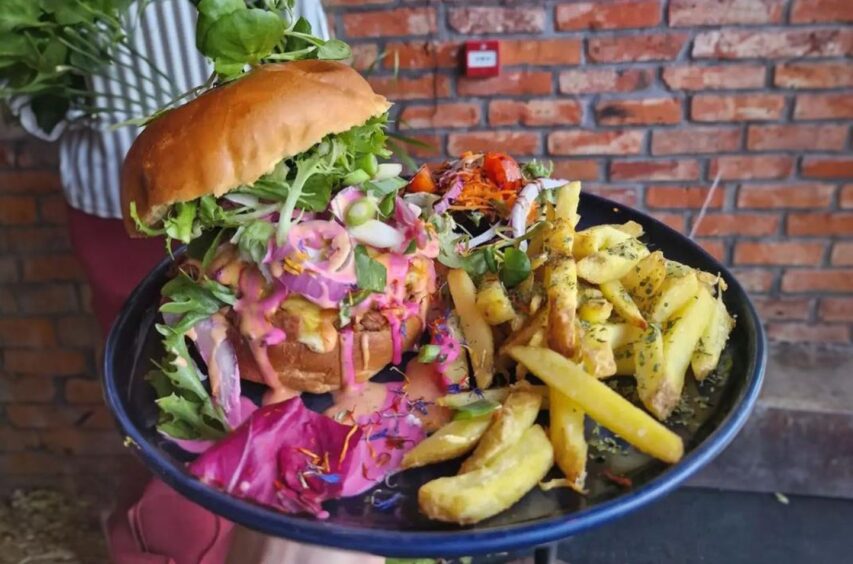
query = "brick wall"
x=645 y=100
x=53 y=427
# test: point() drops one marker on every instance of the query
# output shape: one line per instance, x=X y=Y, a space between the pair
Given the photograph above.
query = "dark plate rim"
x=463 y=541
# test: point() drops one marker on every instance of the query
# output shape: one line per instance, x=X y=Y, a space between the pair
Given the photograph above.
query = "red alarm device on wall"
x=482 y=58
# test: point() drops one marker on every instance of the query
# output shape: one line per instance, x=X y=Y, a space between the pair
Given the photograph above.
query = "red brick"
x=354 y=2
x=14 y=440
x=53 y=210
x=400 y=88
x=78 y=390
x=750 y=44
x=73 y=441
x=846 y=197
x=428 y=146
x=738 y=224
x=534 y=112
x=776 y=309
x=842 y=254
x=577 y=169
x=98 y=417
x=802 y=332
x=827 y=223
x=796 y=137
x=654 y=170
x=28 y=332
x=778 y=253
x=722 y=12
x=814 y=75
x=785 y=195
x=25 y=416
x=675 y=220
x=422 y=55
x=824 y=106
x=801 y=280
x=648 y=47
x=590 y=81
x=836 y=309
x=491 y=19
x=8 y=303
x=30 y=464
x=828 y=167
x=740 y=107
x=714 y=247
x=55 y=362
x=8 y=270
x=541 y=52
x=694 y=140
x=440 y=115
x=620 y=14
x=365 y=56
x=53 y=298
x=30 y=181
x=22 y=240
x=818 y=11
x=52 y=267
x=513 y=142
x=714 y=77
x=680 y=197
x=17 y=210
x=585 y=142
x=516 y=83
x=79 y=331
x=620 y=195
x=754 y=279
x=401 y=21
x=17 y=389
x=638 y=112
x=737 y=167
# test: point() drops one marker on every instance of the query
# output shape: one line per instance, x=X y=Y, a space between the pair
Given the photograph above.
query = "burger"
x=304 y=269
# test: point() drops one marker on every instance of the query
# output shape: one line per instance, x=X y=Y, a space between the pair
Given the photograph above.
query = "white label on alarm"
x=482 y=59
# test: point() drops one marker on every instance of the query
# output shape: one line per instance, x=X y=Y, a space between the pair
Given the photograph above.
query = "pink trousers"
x=150 y=523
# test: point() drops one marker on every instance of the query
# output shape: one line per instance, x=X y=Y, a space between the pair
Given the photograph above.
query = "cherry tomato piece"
x=422 y=181
x=502 y=170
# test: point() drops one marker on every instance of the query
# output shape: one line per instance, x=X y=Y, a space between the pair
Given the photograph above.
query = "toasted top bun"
x=233 y=135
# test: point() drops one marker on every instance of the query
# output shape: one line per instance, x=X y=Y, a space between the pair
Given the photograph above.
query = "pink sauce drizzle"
x=348 y=361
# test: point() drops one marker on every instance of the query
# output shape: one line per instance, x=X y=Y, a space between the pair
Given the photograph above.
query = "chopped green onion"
x=428 y=353
x=368 y=164
x=356 y=177
x=359 y=212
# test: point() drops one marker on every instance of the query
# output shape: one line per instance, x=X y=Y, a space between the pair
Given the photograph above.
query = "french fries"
x=562 y=284
x=613 y=262
x=568 y=198
x=453 y=440
x=596 y=310
x=472 y=497
x=622 y=303
x=597 y=354
x=649 y=365
x=567 y=437
x=601 y=403
x=493 y=302
x=596 y=238
x=676 y=290
x=478 y=333
x=624 y=357
x=463 y=399
x=645 y=279
x=713 y=341
x=518 y=413
x=457 y=370
x=680 y=337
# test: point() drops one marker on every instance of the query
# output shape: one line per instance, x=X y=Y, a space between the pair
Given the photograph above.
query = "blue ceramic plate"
x=714 y=413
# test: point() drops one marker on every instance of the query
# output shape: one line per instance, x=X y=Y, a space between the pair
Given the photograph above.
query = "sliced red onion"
x=377 y=234
x=211 y=339
x=322 y=291
x=451 y=194
x=521 y=209
x=343 y=200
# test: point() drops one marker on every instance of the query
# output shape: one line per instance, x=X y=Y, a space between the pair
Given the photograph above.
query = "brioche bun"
x=234 y=134
x=299 y=368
